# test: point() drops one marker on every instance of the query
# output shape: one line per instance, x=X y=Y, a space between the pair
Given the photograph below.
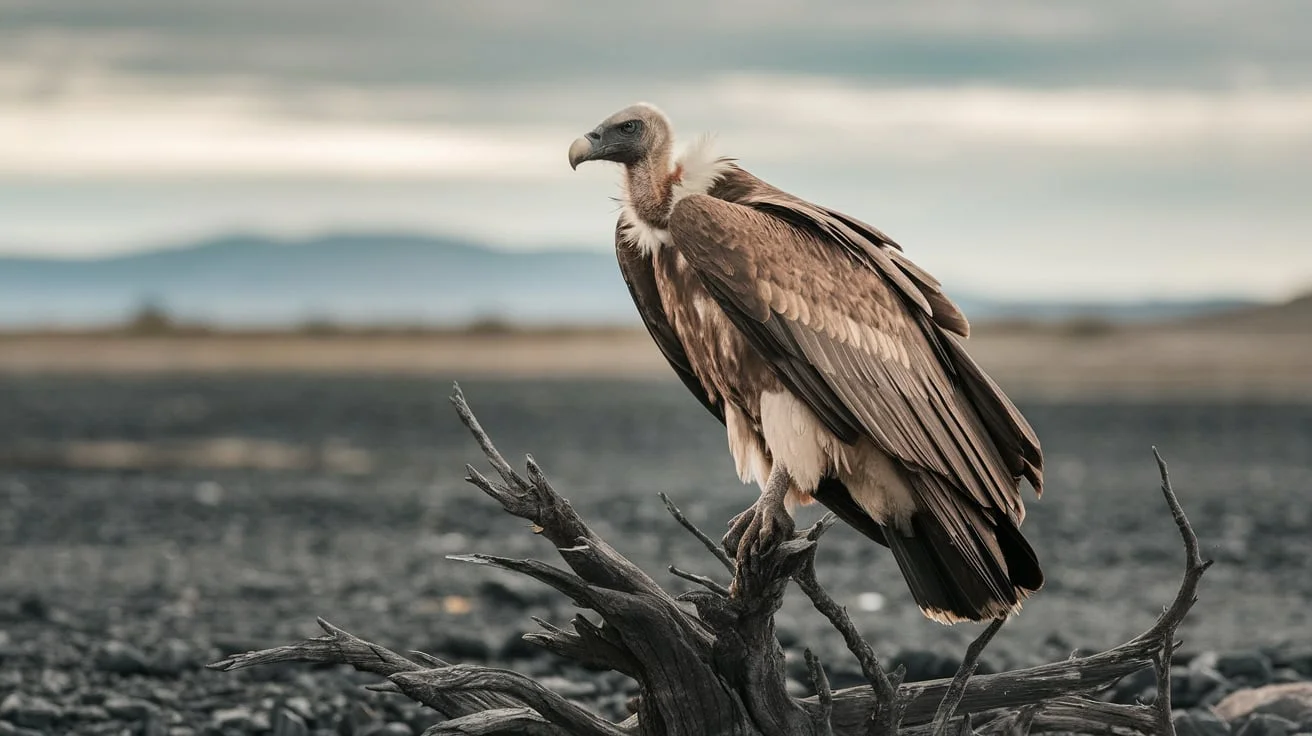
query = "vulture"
x=834 y=364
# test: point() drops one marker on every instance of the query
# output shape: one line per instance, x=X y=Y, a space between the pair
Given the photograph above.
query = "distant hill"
x=1293 y=316
x=1149 y=310
x=346 y=279
x=363 y=279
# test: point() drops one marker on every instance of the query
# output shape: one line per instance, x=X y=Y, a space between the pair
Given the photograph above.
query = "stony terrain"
x=150 y=524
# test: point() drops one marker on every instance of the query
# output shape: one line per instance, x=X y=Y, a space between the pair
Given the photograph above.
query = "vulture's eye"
x=629 y=128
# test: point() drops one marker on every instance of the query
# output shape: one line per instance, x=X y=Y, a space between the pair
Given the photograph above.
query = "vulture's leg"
x=767 y=522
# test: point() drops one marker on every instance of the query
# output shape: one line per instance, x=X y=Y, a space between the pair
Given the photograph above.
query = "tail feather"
x=834 y=495
x=961 y=562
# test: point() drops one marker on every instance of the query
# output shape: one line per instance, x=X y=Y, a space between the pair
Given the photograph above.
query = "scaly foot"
x=763 y=526
x=769 y=524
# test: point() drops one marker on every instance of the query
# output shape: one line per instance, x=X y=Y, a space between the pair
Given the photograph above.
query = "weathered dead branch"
x=952 y=699
x=708 y=661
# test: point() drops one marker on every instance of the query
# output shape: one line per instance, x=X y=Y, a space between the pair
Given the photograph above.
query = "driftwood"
x=708 y=662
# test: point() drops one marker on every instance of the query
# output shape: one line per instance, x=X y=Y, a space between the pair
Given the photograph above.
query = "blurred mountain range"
x=381 y=279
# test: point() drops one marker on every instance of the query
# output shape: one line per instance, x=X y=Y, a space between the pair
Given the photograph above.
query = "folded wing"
x=858 y=333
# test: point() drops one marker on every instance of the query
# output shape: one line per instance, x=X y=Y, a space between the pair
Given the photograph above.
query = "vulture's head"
x=631 y=136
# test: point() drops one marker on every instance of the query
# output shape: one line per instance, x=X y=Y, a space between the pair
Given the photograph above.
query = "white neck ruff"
x=699 y=169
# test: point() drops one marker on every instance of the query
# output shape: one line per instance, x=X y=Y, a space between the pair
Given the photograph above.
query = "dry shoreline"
x=1034 y=361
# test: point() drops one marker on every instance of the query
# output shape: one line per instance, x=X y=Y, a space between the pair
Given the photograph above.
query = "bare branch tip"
x=947 y=709
x=544 y=623
x=819 y=528
x=701 y=580
x=824 y=695
x=327 y=627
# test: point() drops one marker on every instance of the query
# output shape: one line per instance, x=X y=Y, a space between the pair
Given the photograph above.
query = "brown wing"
x=641 y=279
x=865 y=242
x=852 y=333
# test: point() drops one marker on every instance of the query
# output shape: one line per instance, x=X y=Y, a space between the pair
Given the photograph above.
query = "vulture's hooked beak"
x=583 y=149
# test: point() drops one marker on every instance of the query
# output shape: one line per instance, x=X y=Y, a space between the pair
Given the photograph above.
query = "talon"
x=760 y=528
x=737 y=534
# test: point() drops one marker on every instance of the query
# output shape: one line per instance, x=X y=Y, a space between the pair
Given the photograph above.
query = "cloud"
x=964 y=116
x=1025 y=145
x=93 y=139
x=1173 y=43
x=110 y=127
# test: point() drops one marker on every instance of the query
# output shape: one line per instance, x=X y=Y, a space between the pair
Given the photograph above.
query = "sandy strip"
x=1035 y=362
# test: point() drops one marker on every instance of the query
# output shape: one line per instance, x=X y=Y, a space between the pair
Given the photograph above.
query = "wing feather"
x=861 y=239
x=867 y=351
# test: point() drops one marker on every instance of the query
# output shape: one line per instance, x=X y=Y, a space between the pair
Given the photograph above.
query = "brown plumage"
x=828 y=354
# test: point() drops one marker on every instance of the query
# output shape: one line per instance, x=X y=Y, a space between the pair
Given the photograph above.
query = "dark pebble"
x=1284 y=675
x=924 y=665
x=1253 y=668
x=91 y=697
x=1288 y=707
x=1199 y=722
x=787 y=636
x=1135 y=687
x=1298 y=659
x=842 y=675
x=34 y=608
x=514 y=592
x=9 y=729
x=121 y=659
x=517 y=647
x=27 y=711
x=1265 y=724
x=463 y=647
x=1191 y=687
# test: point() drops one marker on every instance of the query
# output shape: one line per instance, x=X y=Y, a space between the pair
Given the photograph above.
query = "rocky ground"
x=149 y=525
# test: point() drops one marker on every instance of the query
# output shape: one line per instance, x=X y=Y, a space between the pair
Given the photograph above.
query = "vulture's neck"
x=649 y=191
x=652 y=187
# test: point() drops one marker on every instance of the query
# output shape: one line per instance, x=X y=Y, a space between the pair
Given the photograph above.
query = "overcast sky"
x=1018 y=148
